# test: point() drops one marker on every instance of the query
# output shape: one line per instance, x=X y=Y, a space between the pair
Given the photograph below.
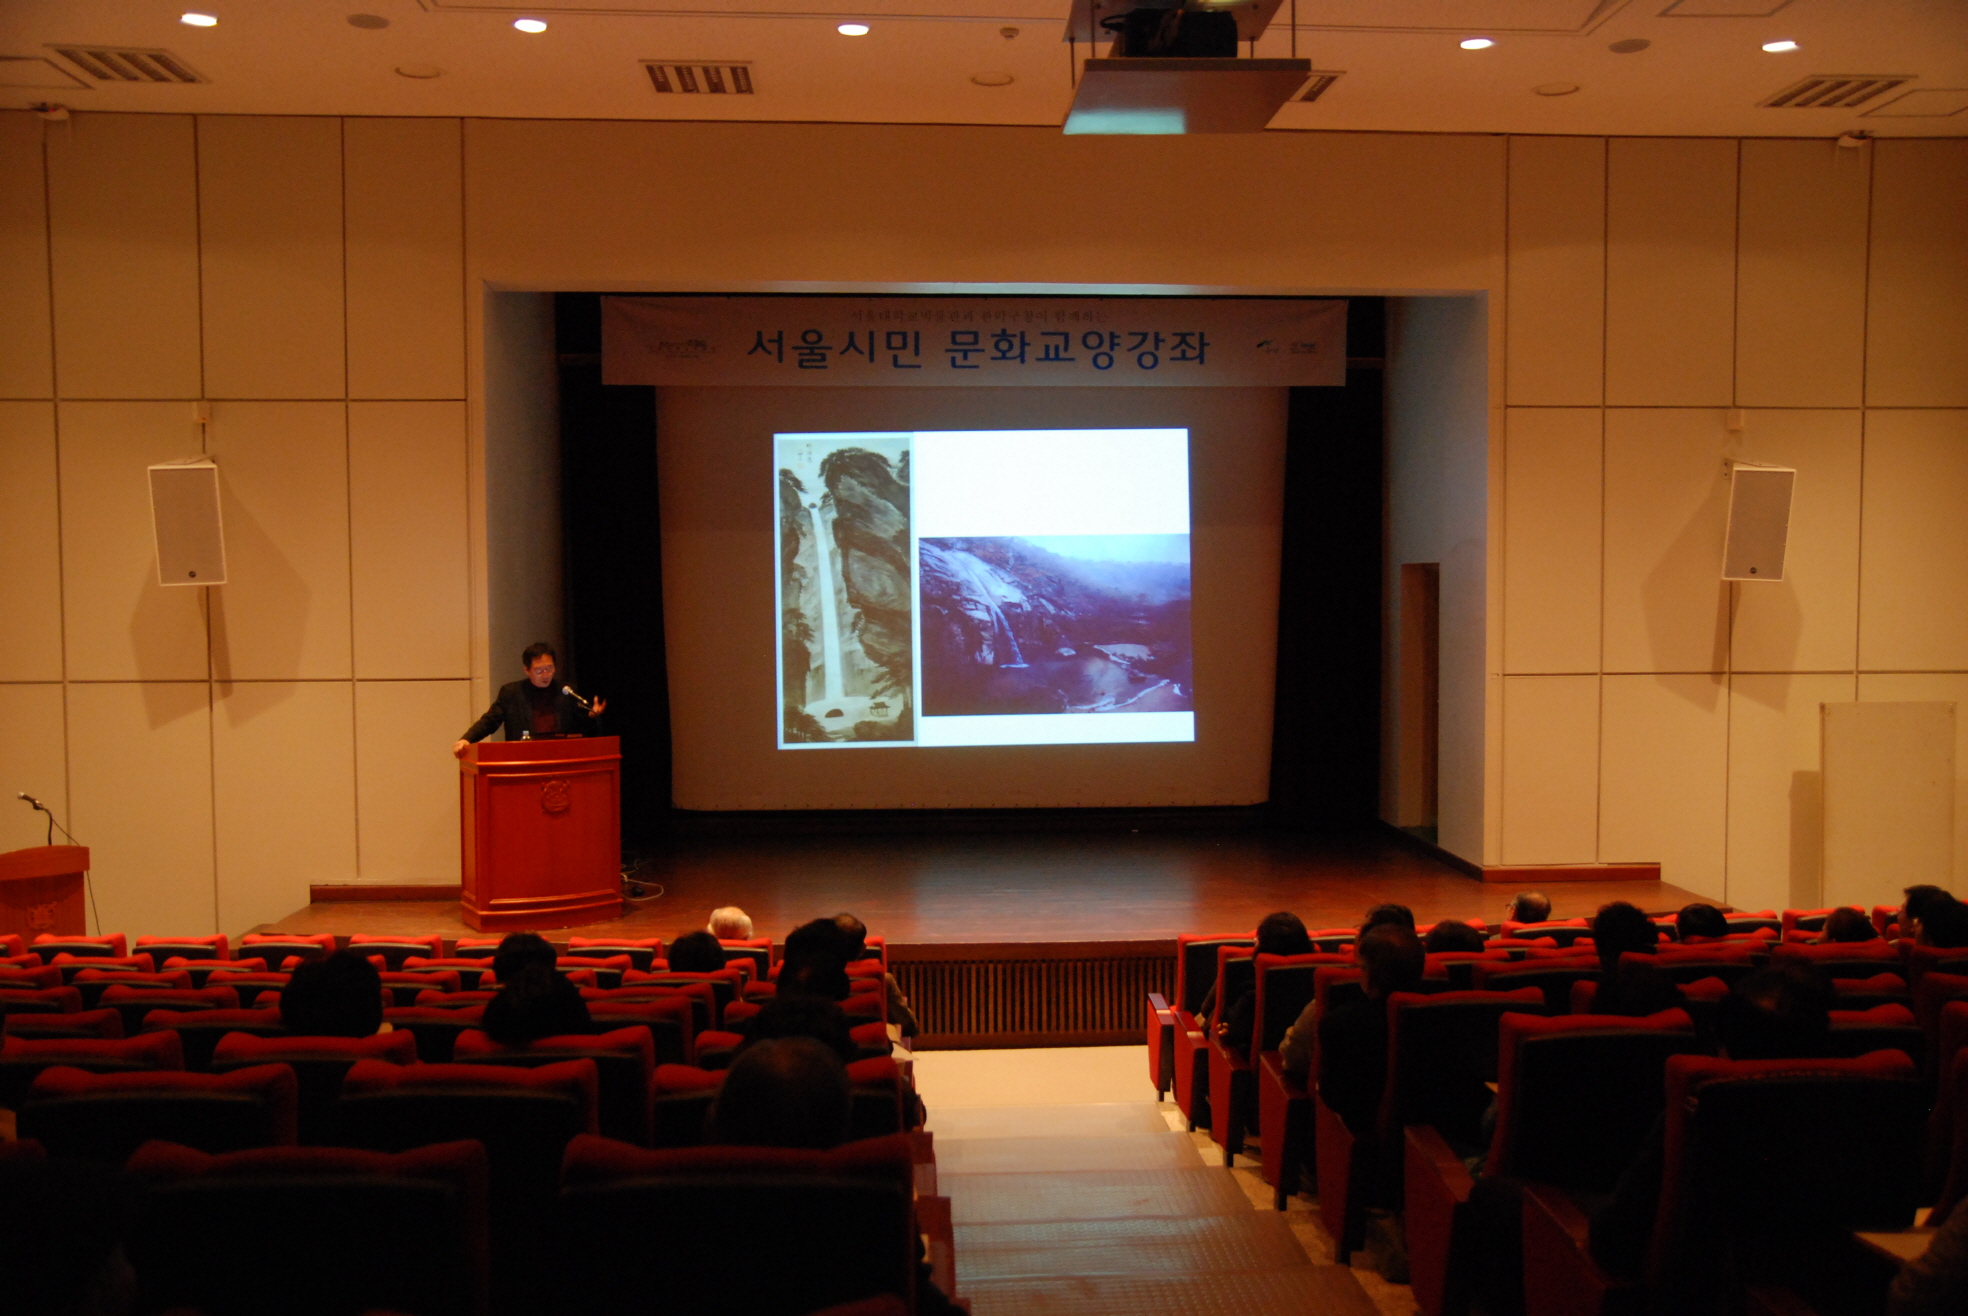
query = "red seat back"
x=23 y=1059
x=48 y=945
x=625 y=1065
x=215 y=947
x=84 y=1023
x=105 y=1117
x=199 y=1031
x=1195 y=964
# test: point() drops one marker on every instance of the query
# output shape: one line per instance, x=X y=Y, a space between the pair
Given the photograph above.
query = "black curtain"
x=1325 y=768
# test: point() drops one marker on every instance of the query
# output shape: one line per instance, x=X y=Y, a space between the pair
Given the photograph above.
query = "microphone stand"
x=87 y=882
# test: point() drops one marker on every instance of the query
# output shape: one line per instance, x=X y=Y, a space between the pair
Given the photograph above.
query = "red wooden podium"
x=41 y=891
x=542 y=832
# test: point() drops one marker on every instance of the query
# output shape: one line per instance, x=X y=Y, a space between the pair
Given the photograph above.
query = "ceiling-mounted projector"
x=1173 y=68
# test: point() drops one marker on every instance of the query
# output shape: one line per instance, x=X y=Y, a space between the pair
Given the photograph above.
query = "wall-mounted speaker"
x=1759 y=522
x=184 y=513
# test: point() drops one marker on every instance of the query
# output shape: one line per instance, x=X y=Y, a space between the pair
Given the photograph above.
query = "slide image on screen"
x=989 y=587
x=846 y=623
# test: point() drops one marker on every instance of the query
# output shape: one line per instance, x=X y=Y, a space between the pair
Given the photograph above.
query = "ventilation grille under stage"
x=126 y=64
x=698 y=77
x=1028 y=1002
x=1835 y=91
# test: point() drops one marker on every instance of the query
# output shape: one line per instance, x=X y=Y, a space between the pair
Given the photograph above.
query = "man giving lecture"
x=533 y=707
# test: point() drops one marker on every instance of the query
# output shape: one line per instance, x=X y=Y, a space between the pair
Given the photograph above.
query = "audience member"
x=783 y=1092
x=1700 y=921
x=696 y=952
x=1452 y=935
x=798 y=1015
x=1353 y=1038
x=856 y=933
x=1914 y=905
x=519 y=950
x=339 y=996
x=730 y=923
x=1399 y=915
x=1777 y=1013
x=1282 y=933
x=1629 y=989
x=534 y=1003
x=1528 y=907
x=1846 y=924
x=816 y=960
x=1945 y=925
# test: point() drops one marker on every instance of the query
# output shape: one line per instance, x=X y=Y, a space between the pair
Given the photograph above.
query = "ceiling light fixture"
x=368 y=22
x=1555 y=88
x=199 y=20
x=530 y=25
x=852 y=29
x=1477 y=43
x=1780 y=47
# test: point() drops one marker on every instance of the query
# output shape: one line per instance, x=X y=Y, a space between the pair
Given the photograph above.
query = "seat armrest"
x=1560 y=1276
x=1437 y=1185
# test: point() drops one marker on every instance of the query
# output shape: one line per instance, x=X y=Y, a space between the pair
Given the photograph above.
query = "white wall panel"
x=1552 y=531
x=33 y=758
x=27 y=364
x=407 y=780
x=1667 y=508
x=1663 y=777
x=1917 y=313
x=1950 y=687
x=1670 y=272
x=410 y=554
x=406 y=257
x=30 y=544
x=1808 y=621
x=1550 y=769
x=1556 y=289
x=1914 y=569
x=1776 y=791
x=1801 y=274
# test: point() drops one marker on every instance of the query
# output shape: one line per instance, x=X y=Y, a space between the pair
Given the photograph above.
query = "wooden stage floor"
x=1028 y=889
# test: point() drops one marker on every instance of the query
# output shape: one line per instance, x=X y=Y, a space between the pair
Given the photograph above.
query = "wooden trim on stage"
x=1531 y=876
x=1014 y=1041
x=346 y=891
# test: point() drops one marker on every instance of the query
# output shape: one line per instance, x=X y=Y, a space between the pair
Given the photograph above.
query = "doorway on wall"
x=1418 y=745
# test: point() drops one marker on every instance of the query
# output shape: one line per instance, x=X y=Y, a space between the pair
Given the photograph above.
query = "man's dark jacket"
x=512 y=711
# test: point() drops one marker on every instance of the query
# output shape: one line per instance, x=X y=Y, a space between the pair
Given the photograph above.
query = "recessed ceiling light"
x=1779 y=47
x=199 y=20
x=369 y=22
x=1630 y=46
x=852 y=29
x=992 y=79
x=419 y=71
x=530 y=24
x=1555 y=88
x=1477 y=43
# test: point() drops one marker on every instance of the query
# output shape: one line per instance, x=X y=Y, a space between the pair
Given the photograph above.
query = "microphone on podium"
x=568 y=690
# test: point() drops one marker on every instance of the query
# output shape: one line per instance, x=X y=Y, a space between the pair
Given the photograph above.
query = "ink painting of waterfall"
x=846 y=597
x=1055 y=624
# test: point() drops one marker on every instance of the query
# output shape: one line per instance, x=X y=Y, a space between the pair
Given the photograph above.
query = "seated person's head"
x=1392 y=959
x=1529 y=907
x=730 y=923
x=339 y=996
x=533 y=1004
x=1283 y=933
x=1847 y=924
x=1699 y=920
x=1452 y=935
x=696 y=952
x=1398 y=915
x=1782 y=1012
x=1621 y=927
x=1945 y=925
x=799 y=1015
x=856 y=933
x=816 y=960
x=518 y=951
x=786 y=1092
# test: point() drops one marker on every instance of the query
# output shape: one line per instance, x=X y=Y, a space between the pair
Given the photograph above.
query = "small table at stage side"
x=41 y=891
x=542 y=838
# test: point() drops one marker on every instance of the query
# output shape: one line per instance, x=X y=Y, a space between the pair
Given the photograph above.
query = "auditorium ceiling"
x=1642 y=67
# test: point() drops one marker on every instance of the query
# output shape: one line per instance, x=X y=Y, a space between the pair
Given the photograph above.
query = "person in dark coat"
x=534 y=707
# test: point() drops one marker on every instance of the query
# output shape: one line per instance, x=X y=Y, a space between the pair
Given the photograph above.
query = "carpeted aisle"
x=1079 y=1207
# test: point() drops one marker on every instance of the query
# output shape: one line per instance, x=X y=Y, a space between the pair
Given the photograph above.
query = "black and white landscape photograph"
x=846 y=658
x=1055 y=624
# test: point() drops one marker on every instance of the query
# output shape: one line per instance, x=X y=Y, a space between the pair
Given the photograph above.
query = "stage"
x=1028 y=938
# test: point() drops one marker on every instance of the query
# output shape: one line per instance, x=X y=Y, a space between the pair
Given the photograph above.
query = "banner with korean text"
x=967 y=342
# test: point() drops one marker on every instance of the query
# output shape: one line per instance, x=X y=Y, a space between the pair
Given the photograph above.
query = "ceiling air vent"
x=121 y=64
x=1316 y=86
x=1835 y=91
x=699 y=77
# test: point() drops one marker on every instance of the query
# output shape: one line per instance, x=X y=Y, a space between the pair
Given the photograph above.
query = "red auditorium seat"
x=1886 y=918
x=884 y=1099
x=1193 y=1031
x=471 y=972
x=1577 y=1096
x=1847 y=959
x=92 y=983
x=1553 y=977
x=754 y=951
x=525 y=1118
x=607 y=969
x=668 y=1020
x=1284 y=1100
x=625 y=1064
x=637 y=1221
x=726 y=985
x=1803 y=924
x=12 y=943
x=396 y=948
x=1561 y=931
x=683 y=1097
x=39 y=1000
x=1729 y=961
x=1923 y=960
x=22 y=1059
x=1864 y=993
x=1947 y=1153
x=201 y=1030
x=319 y=1065
x=405 y=988
x=642 y=952
x=278 y=947
x=30 y=979
x=1884 y=1027
x=202 y=971
x=133 y=1003
x=1283 y=987
x=251 y=986
x=1763 y=1160
x=190 y=948
x=105 y=1117
x=71 y=965
x=1195 y=961
x=1436 y=1043
x=113 y=945
x=83 y=1023
x=436 y=1028
x=1762 y=920
x=353 y=1230
x=1930 y=993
